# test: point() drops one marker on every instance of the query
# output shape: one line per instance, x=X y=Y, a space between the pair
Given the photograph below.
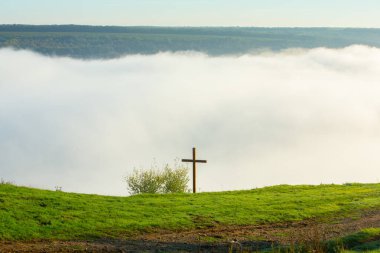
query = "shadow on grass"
x=156 y=246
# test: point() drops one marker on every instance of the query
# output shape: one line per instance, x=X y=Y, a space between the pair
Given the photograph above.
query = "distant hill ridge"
x=94 y=42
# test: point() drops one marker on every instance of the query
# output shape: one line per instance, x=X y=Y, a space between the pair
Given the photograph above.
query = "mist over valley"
x=291 y=117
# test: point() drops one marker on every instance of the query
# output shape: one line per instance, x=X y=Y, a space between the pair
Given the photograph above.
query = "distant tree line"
x=91 y=42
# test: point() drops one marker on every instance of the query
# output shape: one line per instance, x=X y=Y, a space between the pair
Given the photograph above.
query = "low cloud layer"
x=296 y=117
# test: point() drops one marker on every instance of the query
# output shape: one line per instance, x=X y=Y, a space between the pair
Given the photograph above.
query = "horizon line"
x=190 y=26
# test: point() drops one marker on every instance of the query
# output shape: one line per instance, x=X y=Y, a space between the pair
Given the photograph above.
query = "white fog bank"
x=296 y=117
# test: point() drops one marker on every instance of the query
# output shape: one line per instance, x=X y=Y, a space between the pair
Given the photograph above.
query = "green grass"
x=27 y=213
x=367 y=240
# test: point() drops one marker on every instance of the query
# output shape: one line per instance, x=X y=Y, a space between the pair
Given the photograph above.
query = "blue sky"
x=335 y=13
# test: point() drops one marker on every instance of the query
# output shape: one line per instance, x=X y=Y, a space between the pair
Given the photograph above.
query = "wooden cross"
x=194 y=161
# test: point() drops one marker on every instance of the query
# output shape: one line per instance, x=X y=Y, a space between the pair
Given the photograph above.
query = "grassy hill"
x=27 y=214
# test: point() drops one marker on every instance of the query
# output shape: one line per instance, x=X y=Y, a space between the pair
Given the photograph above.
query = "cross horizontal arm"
x=191 y=160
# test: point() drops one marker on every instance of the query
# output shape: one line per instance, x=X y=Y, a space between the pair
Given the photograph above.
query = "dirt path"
x=215 y=239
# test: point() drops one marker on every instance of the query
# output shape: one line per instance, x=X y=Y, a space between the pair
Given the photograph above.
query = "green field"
x=27 y=213
x=363 y=241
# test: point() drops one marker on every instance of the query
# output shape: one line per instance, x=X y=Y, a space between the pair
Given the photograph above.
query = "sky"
x=268 y=13
x=292 y=117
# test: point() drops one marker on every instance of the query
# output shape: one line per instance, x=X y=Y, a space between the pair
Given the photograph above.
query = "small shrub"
x=175 y=180
x=144 y=181
x=2 y=181
x=154 y=180
x=58 y=188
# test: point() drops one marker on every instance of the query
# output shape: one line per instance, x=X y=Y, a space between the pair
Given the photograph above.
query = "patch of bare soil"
x=214 y=239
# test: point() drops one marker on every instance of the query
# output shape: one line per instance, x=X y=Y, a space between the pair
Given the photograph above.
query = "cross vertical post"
x=194 y=172
x=194 y=161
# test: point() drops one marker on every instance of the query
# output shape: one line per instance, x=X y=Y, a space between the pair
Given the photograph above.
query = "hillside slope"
x=27 y=214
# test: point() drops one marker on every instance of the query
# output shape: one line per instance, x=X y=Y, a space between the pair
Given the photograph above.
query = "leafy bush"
x=144 y=181
x=175 y=180
x=154 y=180
x=2 y=181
